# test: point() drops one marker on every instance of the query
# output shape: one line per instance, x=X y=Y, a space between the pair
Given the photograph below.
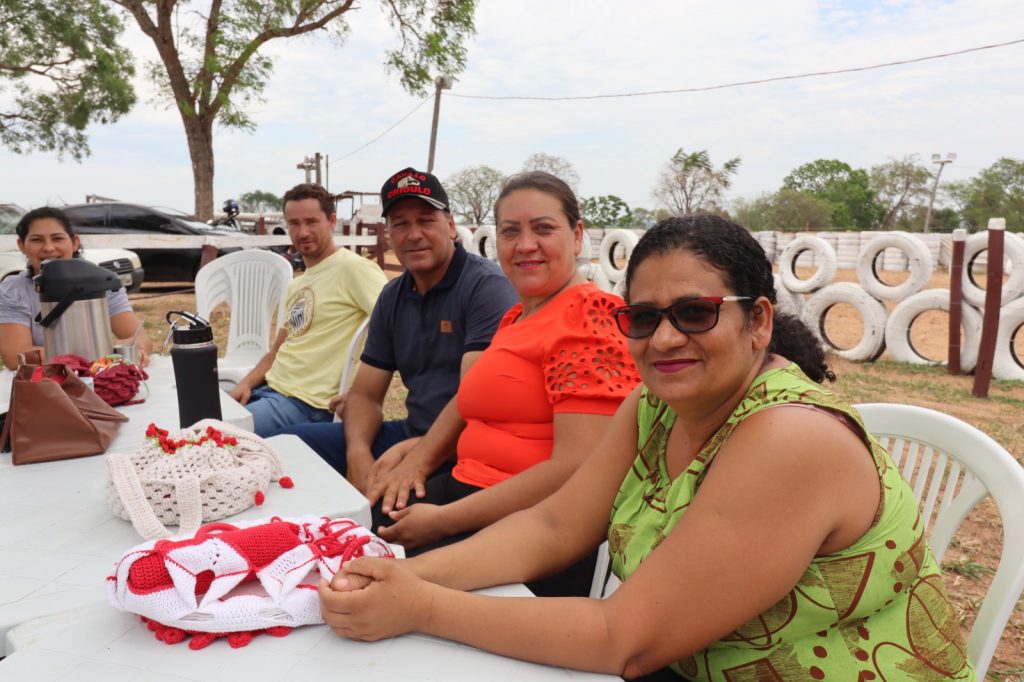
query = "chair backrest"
x=352 y=354
x=253 y=283
x=951 y=467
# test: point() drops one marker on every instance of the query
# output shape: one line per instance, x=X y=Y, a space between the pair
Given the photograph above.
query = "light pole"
x=442 y=83
x=936 y=158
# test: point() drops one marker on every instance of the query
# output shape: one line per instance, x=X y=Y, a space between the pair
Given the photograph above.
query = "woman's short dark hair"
x=745 y=269
x=38 y=214
x=547 y=183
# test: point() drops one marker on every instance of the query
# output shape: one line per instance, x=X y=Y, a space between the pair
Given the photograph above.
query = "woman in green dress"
x=759 y=531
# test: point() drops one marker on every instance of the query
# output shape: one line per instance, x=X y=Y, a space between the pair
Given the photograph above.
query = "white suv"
x=125 y=263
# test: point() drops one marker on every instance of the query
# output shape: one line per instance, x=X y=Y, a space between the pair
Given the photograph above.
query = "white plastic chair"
x=951 y=467
x=352 y=354
x=253 y=283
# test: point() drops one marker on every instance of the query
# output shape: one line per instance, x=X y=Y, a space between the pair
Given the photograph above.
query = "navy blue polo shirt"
x=423 y=337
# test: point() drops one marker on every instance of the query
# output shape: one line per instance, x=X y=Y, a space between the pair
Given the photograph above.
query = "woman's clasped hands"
x=372 y=598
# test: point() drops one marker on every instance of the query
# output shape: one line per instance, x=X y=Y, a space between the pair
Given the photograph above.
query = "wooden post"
x=956 y=287
x=993 y=302
x=261 y=225
x=208 y=254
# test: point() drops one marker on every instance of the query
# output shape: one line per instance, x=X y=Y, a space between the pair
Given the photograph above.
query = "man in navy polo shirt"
x=430 y=324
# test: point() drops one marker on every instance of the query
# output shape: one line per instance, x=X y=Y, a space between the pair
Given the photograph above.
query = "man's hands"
x=337 y=404
x=372 y=598
x=241 y=393
x=418 y=525
x=392 y=487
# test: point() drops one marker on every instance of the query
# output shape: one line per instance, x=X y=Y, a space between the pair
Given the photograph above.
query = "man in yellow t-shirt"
x=296 y=380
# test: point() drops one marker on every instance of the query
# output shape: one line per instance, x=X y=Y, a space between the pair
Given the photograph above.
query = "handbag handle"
x=129 y=489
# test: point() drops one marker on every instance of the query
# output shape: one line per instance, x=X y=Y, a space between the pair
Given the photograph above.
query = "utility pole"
x=307 y=164
x=936 y=158
x=318 y=176
x=441 y=83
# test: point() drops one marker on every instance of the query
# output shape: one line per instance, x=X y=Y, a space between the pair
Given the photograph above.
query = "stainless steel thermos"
x=194 y=356
x=73 y=307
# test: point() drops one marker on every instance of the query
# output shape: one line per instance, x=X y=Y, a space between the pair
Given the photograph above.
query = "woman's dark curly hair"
x=745 y=269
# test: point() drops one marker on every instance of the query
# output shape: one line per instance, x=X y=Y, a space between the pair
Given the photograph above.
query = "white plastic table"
x=102 y=644
x=59 y=538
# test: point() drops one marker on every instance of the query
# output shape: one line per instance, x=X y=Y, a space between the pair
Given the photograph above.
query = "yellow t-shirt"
x=322 y=311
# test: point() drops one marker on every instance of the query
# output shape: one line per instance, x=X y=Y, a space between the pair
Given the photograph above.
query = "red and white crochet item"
x=236 y=581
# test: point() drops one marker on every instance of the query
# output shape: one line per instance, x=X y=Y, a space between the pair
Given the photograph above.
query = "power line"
x=392 y=127
x=737 y=84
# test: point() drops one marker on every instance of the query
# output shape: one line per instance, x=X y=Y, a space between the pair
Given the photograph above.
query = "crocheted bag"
x=203 y=473
x=236 y=581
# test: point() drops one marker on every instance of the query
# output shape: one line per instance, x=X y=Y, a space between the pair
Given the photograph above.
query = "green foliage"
x=60 y=70
x=607 y=211
x=473 y=191
x=259 y=201
x=846 y=189
x=645 y=218
x=996 y=192
x=966 y=568
x=690 y=183
x=902 y=191
x=211 y=68
x=433 y=35
x=556 y=165
x=788 y=210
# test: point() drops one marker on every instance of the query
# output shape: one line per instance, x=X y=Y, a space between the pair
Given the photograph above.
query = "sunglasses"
x=688 y=315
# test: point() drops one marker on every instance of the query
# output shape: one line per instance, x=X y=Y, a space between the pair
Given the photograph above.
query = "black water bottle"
x=194 y=356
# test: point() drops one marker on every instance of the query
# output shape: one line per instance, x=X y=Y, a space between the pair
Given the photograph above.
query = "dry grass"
x=975 y=551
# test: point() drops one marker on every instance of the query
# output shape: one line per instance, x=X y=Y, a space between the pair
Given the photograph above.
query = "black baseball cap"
x=413 y=183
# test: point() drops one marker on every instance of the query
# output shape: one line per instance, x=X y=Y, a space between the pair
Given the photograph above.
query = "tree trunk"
x=199 y=134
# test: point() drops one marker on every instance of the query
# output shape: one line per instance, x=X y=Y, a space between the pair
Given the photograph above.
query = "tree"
x=211 y=67
x=901 y=188
x=689 y=183
x=645 y=218
x=607 y=211
x=66 y=70
x=259 y=201
x=787 y=210
x=996 y=192
x=473 y=192
x=556 y=165
x=846 y=189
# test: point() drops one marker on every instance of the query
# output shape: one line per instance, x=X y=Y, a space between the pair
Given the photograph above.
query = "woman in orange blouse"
x=532 y=406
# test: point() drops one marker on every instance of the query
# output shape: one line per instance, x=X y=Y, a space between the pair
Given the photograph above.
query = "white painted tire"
x=824 y=255
x=483 y=242
x=786 y=300
x=613 y=238
x=919 y=261
x=602 y=282
x=1005 y=364
x=897 y=330
x=1013 y=249
x=584 y=255
x=872 y=311
x=465 y=236
x=588 y=270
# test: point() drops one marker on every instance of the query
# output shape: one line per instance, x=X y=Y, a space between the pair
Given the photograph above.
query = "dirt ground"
x=974 y=554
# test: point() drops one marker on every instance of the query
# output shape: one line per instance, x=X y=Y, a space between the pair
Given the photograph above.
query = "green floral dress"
x=876 y=610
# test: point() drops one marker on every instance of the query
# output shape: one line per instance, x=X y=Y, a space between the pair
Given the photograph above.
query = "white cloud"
x=329 y=98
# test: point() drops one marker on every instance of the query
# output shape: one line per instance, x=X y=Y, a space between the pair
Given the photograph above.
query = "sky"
x=334 y=98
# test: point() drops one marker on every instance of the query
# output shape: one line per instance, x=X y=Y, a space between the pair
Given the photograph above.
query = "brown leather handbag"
x=54 y=415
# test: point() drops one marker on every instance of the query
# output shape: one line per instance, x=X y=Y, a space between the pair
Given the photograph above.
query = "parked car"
x=125 y=263
x=161 y=265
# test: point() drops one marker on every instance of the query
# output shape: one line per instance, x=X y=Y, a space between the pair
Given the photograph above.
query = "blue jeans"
x=271 y=411
x=328 y=440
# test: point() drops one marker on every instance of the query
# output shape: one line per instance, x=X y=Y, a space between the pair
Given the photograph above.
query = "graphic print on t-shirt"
x=300 y=313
